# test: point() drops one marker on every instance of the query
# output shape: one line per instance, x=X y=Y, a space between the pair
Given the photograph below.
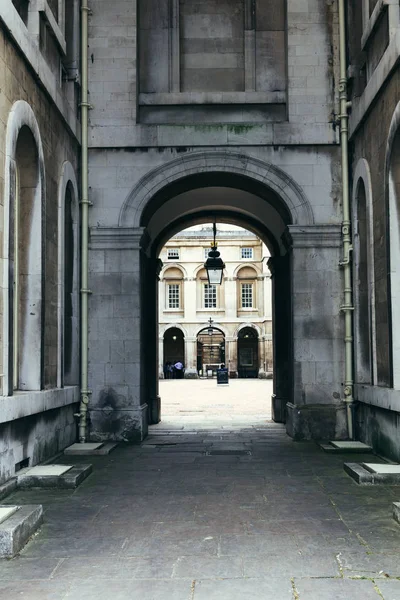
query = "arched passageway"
x=248 y=360
x=210 y=351
x=243 y=191
x=174 y=352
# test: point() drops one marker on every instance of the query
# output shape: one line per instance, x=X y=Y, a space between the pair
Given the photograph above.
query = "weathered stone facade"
x=197 y=108
x=39 y=136
x=373 y=126
x=174 y=119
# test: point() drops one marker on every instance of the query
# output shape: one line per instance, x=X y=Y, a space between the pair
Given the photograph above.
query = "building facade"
x=196 y=107
x=240 y=334
x=39 y=221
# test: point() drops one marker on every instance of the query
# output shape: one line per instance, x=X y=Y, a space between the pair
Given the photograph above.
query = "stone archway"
x=306 y=283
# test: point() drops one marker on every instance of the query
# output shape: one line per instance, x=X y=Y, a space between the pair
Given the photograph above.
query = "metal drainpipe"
x=347 y=306
x=85 y=393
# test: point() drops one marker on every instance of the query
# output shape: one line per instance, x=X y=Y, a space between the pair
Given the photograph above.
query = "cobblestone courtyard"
x=225 y=512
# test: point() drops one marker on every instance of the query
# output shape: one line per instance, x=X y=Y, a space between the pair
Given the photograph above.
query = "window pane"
x=247 y=295
x=247 y=252
x=210 y=296
x=173 y=253
x=173 y=295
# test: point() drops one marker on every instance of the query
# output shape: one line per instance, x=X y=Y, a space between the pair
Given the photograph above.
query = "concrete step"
x=373 y=473
x=53 y=476
x=90 y=449
x=18 y=525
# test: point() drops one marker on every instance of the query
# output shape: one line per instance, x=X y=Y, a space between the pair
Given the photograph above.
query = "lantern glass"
x=215 y=276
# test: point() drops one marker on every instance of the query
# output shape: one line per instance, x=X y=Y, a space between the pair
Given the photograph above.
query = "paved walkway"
x=199 y=403
x=212 y=515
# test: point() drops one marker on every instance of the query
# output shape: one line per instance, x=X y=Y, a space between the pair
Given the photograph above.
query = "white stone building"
x=240 y=308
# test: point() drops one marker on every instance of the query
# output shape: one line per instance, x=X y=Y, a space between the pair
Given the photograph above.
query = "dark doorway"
x=174 y=347
x=248 y=353
x=210 y=351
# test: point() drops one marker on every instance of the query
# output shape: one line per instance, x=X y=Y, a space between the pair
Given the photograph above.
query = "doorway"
x=247 y=348
x=210 y=351
x=174 y=352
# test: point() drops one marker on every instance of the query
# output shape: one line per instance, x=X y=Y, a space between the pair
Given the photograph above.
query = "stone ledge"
x=8 y=487
x=68 y=480
x=365 y=476
x=25 y=404
x=396 y=511
x=90 y=449
x=18 y=528
x=189 y=98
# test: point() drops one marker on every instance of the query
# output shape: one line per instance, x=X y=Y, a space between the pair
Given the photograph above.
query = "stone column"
x=161 y=358
x=150 y=284
x=317 y=410
x=230 y=298
x=191 y=358
x=261 y=358
x=189 y=299
x=231 y=356
x=117 y=409
x=282 y=334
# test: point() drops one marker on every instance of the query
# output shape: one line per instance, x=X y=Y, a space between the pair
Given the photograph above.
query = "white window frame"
x=243 y=252
x=246 y=285
x=173 y=253
x=206 y=288
x=178 y=286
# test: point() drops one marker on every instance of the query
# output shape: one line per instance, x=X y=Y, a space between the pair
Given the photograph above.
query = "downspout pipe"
x=85 y=106
x=347 y=307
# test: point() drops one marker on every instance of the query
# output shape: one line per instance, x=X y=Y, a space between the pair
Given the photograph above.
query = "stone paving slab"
x=154 y=524
x=335 y=589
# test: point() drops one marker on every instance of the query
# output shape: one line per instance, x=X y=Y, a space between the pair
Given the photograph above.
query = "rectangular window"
x=206 y=252
x=210 y=296
x=247 y=295
x=173 y=295
x=247 y=252
x=173 y=253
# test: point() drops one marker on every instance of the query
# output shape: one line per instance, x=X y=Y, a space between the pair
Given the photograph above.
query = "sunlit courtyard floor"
x=197 y=403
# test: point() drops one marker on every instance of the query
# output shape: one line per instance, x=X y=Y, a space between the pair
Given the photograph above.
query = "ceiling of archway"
x=231 y=205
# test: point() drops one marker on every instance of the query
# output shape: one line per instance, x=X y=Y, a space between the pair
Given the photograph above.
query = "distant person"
x=178 y=366
x=167 y=372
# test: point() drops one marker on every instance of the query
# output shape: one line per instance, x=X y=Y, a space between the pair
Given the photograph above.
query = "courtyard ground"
x=202 y=403
x=223 y=511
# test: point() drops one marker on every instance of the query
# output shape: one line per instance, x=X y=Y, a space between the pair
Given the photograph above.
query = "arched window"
x=26 y=265
x=68 y=268
x=394 y=229
x=362 y=275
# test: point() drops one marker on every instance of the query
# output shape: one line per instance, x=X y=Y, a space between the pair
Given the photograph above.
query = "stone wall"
x=37 y=437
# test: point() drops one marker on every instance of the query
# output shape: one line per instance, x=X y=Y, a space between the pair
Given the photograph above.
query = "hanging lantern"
x=214 y=264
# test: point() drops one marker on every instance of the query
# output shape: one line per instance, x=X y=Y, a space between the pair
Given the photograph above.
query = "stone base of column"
x=155 y=410
x=191 y=374
x=278 y=405
x=316 y=421
x=265 y=374
x=119 y=425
